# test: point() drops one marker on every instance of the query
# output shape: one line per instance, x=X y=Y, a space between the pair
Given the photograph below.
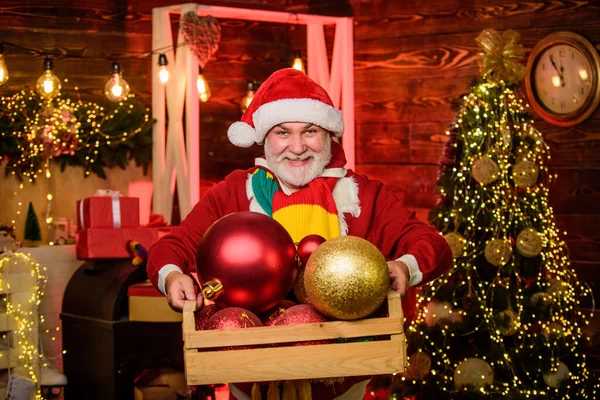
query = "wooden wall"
x=412 y=60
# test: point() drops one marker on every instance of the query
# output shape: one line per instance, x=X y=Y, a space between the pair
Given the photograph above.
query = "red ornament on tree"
x=233 y=318
x=307 y=245
x=247 y=260
x=204 y=315
x=269 y=317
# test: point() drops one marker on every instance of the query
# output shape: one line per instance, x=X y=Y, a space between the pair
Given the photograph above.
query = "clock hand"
x=562 y=71
x=562 y=81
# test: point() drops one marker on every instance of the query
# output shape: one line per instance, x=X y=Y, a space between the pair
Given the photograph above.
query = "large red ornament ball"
x=269 y=317
x=233 y=318
x=307 y=245
x=302 y=314
x=247 y=260
x=204 y=315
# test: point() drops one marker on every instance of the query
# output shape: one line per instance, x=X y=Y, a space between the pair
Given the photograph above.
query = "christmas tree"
x=32 y=225
x=504 y=322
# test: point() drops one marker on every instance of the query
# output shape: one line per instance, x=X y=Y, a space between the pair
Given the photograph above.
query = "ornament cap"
x=212 y=289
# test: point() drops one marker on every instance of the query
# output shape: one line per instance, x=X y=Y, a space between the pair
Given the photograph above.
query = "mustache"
x=298 y=157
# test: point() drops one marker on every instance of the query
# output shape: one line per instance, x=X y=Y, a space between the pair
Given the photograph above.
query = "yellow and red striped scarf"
x=311 y=210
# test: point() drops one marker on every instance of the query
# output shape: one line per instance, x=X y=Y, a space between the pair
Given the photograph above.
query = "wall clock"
x=562 y=78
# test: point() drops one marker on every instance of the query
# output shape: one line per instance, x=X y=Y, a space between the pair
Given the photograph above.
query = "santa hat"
x=288 y=95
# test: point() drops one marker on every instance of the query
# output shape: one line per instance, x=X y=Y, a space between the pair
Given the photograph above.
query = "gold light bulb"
x=203 y=88
x=116 y=88
x=247 y=99
x=3 y=70
x=298 y=63
x=48 y=85
x=163 y=73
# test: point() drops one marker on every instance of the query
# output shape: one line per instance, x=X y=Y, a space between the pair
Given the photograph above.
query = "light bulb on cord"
x=3 y=70
x=163 y=73
x=203 y=88
x=116 y=88
x=48 y=85
x=298 y=63
x=247 y=99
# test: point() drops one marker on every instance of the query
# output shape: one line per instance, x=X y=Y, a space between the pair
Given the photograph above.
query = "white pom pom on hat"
x=288 y=95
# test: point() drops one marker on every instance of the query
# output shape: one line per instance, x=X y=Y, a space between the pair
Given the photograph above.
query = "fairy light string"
x=522 y=316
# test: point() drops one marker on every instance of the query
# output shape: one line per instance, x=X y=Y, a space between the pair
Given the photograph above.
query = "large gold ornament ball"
x=529 y=243
x=485 y=170
x=346 y=278
x=456 y=243
x=474 y=374
x=507 y=322
x=525 y=174
x=419 y=365
x=498 y=252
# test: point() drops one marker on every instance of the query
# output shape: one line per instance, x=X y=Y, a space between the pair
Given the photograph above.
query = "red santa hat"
x=288 y=95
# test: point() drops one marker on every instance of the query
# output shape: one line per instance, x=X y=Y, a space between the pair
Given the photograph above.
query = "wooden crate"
x=285 y=361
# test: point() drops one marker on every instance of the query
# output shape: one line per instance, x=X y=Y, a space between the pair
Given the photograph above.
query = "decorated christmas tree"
x=505 y=321
x=32 y=225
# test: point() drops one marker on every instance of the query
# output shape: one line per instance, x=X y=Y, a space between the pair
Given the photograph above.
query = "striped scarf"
x=310 y=210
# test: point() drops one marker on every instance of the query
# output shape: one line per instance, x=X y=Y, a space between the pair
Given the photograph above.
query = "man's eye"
x=282 y=133
x=312 y=131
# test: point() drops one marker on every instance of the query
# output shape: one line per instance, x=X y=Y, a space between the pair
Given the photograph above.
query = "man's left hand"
x=399 y=276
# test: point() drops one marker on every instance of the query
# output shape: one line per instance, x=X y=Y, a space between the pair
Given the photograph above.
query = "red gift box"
x=108 y=212
x=102 y=243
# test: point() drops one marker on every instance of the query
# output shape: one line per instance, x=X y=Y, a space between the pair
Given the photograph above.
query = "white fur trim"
x=241 y=134
x=345 y=195
x=415 y=276
x=162 y=276
x=296 y=110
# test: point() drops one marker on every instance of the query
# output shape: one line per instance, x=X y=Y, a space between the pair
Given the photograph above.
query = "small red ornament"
x=204 y=315
x=302 y=314
x=269 y=317
x=232 y=318
x=247 y=260
x=307 y=245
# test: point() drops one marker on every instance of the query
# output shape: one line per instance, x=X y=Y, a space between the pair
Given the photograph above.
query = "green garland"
x=34 y=132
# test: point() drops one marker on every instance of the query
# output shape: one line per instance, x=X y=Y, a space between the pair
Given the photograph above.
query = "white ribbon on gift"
x=116 y=206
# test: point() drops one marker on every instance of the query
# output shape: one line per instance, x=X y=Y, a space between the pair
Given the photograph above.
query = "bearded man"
x=303 y=165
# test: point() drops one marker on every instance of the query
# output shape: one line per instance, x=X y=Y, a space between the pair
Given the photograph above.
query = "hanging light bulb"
x=298 y=63
x=247 y=99
x=203 y=88
x=116 y=88
x=3 y=70
x=163 y=73
x=48 y=85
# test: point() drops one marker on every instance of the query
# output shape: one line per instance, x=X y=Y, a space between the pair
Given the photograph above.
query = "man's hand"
x=399 y=276
x=180 y=287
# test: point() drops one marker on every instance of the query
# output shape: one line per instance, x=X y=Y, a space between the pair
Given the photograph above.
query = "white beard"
x=298 y=176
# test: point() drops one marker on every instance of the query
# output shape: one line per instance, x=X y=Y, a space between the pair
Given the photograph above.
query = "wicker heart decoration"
x=202 y=35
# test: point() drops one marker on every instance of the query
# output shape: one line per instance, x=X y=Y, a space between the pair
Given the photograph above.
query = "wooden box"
x=286 y=361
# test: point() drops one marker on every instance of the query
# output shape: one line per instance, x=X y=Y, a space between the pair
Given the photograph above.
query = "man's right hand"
x=180 y=287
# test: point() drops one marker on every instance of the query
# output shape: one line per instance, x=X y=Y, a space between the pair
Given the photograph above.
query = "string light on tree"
x=116 y=88
x=48 y=85
x=298 y=62
x=163 y=72
x=247 y=99
x=203 y=88
x=3 y=70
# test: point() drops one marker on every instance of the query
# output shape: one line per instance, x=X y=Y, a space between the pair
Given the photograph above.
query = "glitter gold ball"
x=456 y=243
x=525 y=174
x=485 y=170
x=529 y=243
x=498 y=252
x=346 y=278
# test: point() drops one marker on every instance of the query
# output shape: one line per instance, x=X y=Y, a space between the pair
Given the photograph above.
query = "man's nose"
x=297 y=145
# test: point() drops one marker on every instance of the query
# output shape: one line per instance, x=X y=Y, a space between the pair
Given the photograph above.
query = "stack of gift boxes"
x=106 y=224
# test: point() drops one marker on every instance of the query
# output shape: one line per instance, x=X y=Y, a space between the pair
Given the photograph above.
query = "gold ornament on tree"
x=473 y=373
x=441 y=312
x=529 y=243
x=506 y=136
x=485 y=170
x=525 y=173
x=456 y=243
x=498 y=252
x=500 y=56
x=346 y=278
x=507 y=322
x=555 y=378
x=419 y=365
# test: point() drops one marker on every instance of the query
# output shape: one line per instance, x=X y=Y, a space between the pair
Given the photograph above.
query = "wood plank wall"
x=412 y=60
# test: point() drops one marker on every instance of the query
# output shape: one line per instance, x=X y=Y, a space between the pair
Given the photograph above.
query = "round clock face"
x=562 y=78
